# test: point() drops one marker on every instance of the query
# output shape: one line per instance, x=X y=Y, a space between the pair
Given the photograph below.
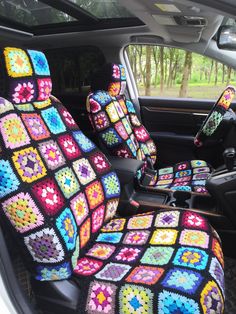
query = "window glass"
x=71 y=68
x=172 y=72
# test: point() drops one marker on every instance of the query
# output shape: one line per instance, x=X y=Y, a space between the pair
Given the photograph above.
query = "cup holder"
x=180 y=199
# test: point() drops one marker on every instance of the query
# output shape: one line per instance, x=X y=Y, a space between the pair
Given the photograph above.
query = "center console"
x=136 y=198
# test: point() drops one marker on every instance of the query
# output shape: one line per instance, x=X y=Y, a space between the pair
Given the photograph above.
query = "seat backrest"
x=114 y=119
x=56 y=188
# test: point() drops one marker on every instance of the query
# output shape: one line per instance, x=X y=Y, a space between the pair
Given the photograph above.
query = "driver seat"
x=114 y=119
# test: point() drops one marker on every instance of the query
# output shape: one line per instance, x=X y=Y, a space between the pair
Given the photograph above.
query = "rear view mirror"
x=226 y=37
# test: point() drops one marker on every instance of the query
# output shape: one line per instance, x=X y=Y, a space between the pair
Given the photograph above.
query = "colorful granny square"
x=49 y=196
x=137 y=237
x=110 y=137
x=102 y=98
x=101 y=251
x=111 y=185
x=211 y=298
x=113 y=272
x=5 y=105
x=121 y=130
x=112 y=113
x=44 y=246
x=132 y=147
x=119 y=109
x=113 y=237
x=111 y=208
x=69 y=146
x=87 y=266
x=159 y=255
x=114 y=225
x=191 y=257
x=146 y=275
x=84 y=143
x=93 y=105
x=84 y=171
x=183 y=280
x=29 y=164
x=172 y=303
x=101 y=298
x=39 y=61
x=17 y=62
x=43 y=104
x=22 y=212
x=101 y=121
x=216 y=248
x=67 y=181
x=13 y=131
x=135 y=299
x=194 y=238
x=140 y=222
x=193 y=220
x=53 y=120
x=128 y=254
x=164 y=237
x=52 y=273
x=99 y=162
x=217 y=273
x=198 y=163
x=44 y=88
x=51 y=154
x=97 y=218
x=167 y=219
x=165 y=170
x=94 y=194
x=84 y=233
x=8 y=180
x=22 y=91
x=79 y=207
x=67 y=118
x=134 y=120
x=201 y=170
x=35 y=126
x=67 y=227
x=183 y=173
x=141 y=134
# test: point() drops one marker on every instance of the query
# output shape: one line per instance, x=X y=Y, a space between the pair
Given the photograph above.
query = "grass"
x=195 y=90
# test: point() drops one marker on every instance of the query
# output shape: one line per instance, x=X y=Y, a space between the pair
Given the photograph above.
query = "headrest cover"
x=25 y=76
x=111 y=78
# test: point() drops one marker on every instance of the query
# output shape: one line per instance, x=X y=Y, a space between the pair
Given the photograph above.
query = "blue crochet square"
x=191 y=257
x=131 y=147
x=130 y=106
x=40 y=63
x=57 y=272
x=53 y=120
x=8 y=180
x=67 y=228
x=122 y=73
x=113 y=237
x=102 y=98
x=182 y=279
x=84 y=143
x=172 y=303
x=110 y=137
x=183 y=173
x=111 y=185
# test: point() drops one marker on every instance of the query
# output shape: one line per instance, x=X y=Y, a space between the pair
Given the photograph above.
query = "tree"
x=148 y=71
x=162 y=69
x=186 y=74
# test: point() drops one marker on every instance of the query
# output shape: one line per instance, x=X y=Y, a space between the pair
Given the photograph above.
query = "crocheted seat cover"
x=114 y=119
x=59 y=194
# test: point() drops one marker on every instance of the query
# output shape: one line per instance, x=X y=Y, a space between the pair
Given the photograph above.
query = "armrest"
x=126 y=168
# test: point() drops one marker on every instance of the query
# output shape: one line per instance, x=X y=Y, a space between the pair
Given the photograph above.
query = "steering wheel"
x=215 y=116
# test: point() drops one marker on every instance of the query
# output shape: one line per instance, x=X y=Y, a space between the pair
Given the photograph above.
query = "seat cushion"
x=184 y=176
x=162 y=262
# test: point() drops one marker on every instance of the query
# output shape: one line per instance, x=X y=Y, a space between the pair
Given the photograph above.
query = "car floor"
x=230 y=285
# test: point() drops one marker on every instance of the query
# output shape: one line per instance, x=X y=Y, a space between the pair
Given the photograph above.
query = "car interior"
x=116 y=200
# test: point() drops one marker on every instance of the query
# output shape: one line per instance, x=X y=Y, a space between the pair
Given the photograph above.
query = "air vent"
x=193 y=21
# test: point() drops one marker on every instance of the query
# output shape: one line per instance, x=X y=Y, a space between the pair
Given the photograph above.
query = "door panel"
x=173 y=124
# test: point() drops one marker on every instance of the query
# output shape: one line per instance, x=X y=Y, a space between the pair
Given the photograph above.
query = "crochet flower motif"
x=24 y=92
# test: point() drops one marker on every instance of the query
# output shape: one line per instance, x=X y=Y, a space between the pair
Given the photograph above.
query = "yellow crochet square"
x=29 y=164
x=165 y=237
x=42 y=104
x=17 y=62
x=112 y=113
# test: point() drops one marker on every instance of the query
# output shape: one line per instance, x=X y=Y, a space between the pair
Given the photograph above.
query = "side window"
x=71 y=68
x=173 y=72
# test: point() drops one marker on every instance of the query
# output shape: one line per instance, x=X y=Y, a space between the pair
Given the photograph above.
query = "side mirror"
x=226 y=37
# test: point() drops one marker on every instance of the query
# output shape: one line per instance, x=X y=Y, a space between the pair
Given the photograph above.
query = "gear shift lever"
x=229 y=156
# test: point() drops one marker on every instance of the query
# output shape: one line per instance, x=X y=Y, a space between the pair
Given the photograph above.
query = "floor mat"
x=230 y=285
